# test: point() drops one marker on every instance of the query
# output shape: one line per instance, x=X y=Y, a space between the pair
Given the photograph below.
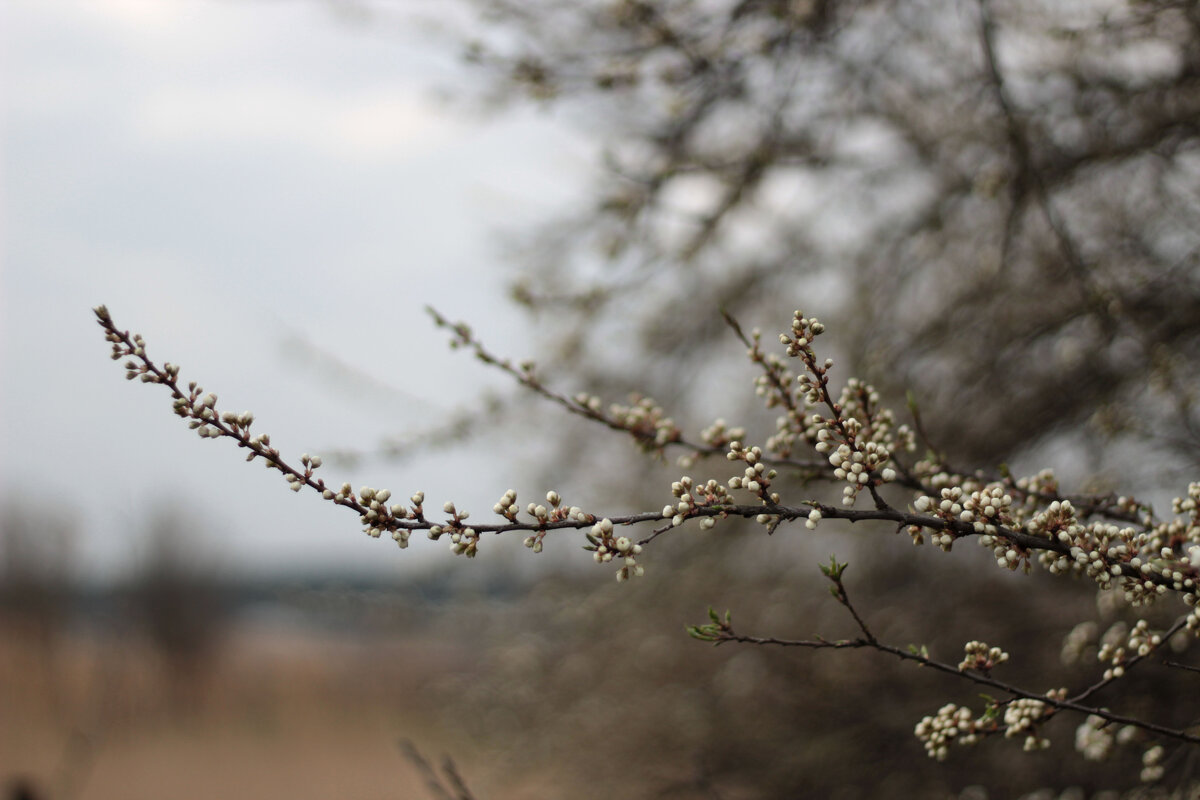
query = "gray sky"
x=226 y=176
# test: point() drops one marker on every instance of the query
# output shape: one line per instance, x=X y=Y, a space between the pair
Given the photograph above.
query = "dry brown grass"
x=272 y=714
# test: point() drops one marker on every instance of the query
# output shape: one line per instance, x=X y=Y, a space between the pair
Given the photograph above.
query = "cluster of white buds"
x=1022 y=716
x=860 y=401
x=1142 y=640
x=1193 y=618
x=589 y=402
x=310 y=463
x=1057 y=521
x=1096 y=550
x=776 y=374
x=804 y=330
x=454 y=526
x=690 y=497
x=1103 y=552
x=1152 y=764
x=201 y=411
x=756 y=478
x=378 y=516
x=775 y=385
x=1119 y=644
x=810 y=385
x=1043 y=483
x=1172 y=570
x=647 y=420
x=719 y=435
x=1077 y=641
x=507 y=507
x=132 y=368
x=606 y=547
x=540 y=512
x=1152 y=767
x=952 y=723
x=789 y=428
x=556 y=512
x=948 y=507
x=861 y=437
x=853 y=465
x=986 y=509
x=464 y=541
x=260 y=441
x=1095 y=738
x=242 y=420
x=1189 y=505
x=980 y=657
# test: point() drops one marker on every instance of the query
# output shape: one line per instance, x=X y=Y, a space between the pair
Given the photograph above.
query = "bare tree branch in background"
x=996 y=193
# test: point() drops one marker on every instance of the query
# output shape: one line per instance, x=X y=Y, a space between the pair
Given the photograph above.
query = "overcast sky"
x=228 y=176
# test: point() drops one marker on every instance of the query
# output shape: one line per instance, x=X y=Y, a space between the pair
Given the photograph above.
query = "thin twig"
x=722 y=631
x=432 y=782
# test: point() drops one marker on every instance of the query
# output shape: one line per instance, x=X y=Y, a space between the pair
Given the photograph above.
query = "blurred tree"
x=1002 y=197
x=36 y=586
x=36 y=560
x=177 y=602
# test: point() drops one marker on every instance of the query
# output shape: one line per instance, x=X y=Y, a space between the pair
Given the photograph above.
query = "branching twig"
x=402 y=520
x=652 y=432
x=721 y=631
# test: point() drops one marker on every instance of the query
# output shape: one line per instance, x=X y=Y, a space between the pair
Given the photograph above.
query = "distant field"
x=291 y=715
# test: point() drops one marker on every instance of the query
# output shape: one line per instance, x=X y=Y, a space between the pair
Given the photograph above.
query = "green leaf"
x=921 y=651
x=834 y=570
x=705 y=633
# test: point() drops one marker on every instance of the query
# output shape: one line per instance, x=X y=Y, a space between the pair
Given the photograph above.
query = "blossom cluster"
x=606 y=547
x=689 y=497
x=952 y=723
x=645 y=419
x=1023 y=715
x=980 y=657
x=1117 y=647
x=858 y=436
x=1020 y=718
